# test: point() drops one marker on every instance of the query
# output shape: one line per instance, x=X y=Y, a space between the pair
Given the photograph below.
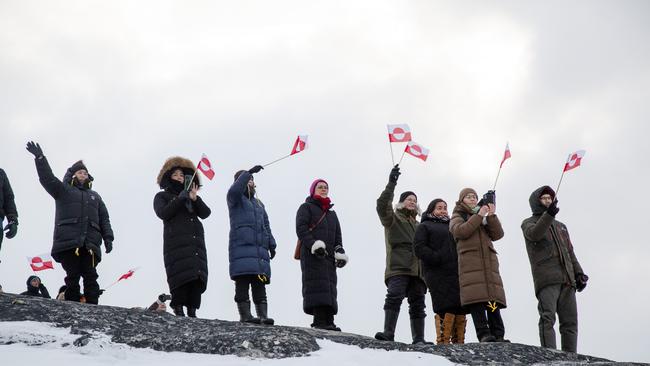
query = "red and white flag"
x=399 y=133
x=41 y=262
x=205 y=167
x=127 y=275
x=299 y=145
x=506 y=155
x=574 y=160
x=417 y=150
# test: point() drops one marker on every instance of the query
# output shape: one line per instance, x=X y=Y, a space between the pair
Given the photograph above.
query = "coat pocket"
x=72 y=220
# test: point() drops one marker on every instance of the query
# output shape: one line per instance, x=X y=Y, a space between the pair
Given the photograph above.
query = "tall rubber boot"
x=458 y=333
x=417 y=331
x=191 y=312
x=178 y=310
x=262 y=313
x=390 y=322
x=245 y=315
x=447 y=327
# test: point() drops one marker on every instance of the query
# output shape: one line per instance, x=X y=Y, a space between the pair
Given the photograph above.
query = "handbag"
x=296 y=252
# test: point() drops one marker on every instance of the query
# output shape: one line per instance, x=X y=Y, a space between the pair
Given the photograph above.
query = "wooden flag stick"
x=495 y=181
x=402 y=157
x=391 y=152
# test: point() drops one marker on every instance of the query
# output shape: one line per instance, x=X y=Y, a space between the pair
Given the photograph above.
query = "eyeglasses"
x=471 y=196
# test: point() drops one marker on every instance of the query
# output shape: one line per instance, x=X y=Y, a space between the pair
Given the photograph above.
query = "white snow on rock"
x=30 y=343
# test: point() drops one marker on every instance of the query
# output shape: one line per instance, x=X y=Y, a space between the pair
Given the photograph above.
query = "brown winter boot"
x=447 y=327
x=458 y=333
x=438 y=322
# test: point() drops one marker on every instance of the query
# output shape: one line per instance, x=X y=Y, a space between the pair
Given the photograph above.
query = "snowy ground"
x=30 y=343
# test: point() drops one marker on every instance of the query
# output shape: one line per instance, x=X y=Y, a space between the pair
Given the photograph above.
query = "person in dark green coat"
x=557 y=274
x=403 y=275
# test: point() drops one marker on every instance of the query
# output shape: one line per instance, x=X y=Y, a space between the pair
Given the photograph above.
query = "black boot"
x=417 y=331
x=191 y=312
x=245 y=315
x=262 y=313
x=178 y=310
x=320 y=318
x=390 y=321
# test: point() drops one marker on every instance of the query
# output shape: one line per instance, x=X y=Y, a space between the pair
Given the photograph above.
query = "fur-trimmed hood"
x=69 y=174
x=173 y=163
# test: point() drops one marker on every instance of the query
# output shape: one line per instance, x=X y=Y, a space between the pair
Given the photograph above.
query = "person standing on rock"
x=7 y=209
x=403 y=274
x=180 y=207
x=81 y=223
x=436 y=248
x=36 y=288
x=474 y=227
x=251 y=247
x=557 y=274
x=321 y=253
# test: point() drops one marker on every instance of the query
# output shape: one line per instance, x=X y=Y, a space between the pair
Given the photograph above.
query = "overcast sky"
x=124 y=85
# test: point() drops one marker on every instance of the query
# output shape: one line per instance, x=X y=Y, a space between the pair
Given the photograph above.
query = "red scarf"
x=325 y=203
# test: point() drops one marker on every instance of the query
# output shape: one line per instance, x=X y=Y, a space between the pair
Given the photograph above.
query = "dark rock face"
x=165 y=332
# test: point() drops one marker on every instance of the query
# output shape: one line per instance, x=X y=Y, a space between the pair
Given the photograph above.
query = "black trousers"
x=487 y=321
x=80 y=263
x=243 y=283
x=410 y=287
x=188 y=294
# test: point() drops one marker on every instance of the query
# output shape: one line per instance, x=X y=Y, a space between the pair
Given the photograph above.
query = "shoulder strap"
x=318 y=222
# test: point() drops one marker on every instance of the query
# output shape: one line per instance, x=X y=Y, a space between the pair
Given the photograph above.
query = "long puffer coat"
x=478 y=265
x=318 y=274
x=251 y=238
x=184 y=250
x=81 y=216
x=436 y=248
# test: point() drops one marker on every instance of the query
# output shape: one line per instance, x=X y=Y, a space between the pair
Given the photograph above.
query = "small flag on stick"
x=41 y=262
x=205 y=167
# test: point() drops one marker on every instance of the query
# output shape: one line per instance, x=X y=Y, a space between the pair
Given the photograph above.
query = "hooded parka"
x=81 y=217
x=478 y=265
x=549 y=247
x=184 y=250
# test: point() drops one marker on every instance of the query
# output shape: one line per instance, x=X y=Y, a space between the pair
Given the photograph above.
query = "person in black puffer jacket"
x=80 y=225
x=7 y=208
x=185 y=255
x=321 y=253
x=36 y=288
x=436 y=248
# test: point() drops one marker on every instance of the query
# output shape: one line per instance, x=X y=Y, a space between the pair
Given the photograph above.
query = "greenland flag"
x=205 y=167
x=417 y=150
x=299 y=145
x=574 y=160
x=41 y=262
x=399 y=133
x=506 y=155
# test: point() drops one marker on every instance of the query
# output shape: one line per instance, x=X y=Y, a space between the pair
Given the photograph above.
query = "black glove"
x=320 y=252
x=11 y=228
x=490 y=197
x=394 y=174
x=35 y=149
x=553 y=209
x=109 y=246
x=255 y=169
x=272 y=251
x=581 y=281
x=184 y=195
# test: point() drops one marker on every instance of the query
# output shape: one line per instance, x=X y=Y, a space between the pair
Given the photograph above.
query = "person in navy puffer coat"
x=251 y=247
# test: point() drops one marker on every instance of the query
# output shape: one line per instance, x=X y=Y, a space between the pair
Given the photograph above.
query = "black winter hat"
x=403 y=196
x=78 y=166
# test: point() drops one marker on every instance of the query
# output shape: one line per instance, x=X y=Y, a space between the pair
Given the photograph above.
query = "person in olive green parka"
x=403 y=275
x=556 y=271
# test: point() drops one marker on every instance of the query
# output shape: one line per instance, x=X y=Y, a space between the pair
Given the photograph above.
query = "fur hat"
x=79 y=165
x=404 y=195
x=173 y=163
x=547 y=190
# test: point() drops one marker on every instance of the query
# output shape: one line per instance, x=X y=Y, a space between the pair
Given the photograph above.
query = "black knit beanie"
x=403 y=196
